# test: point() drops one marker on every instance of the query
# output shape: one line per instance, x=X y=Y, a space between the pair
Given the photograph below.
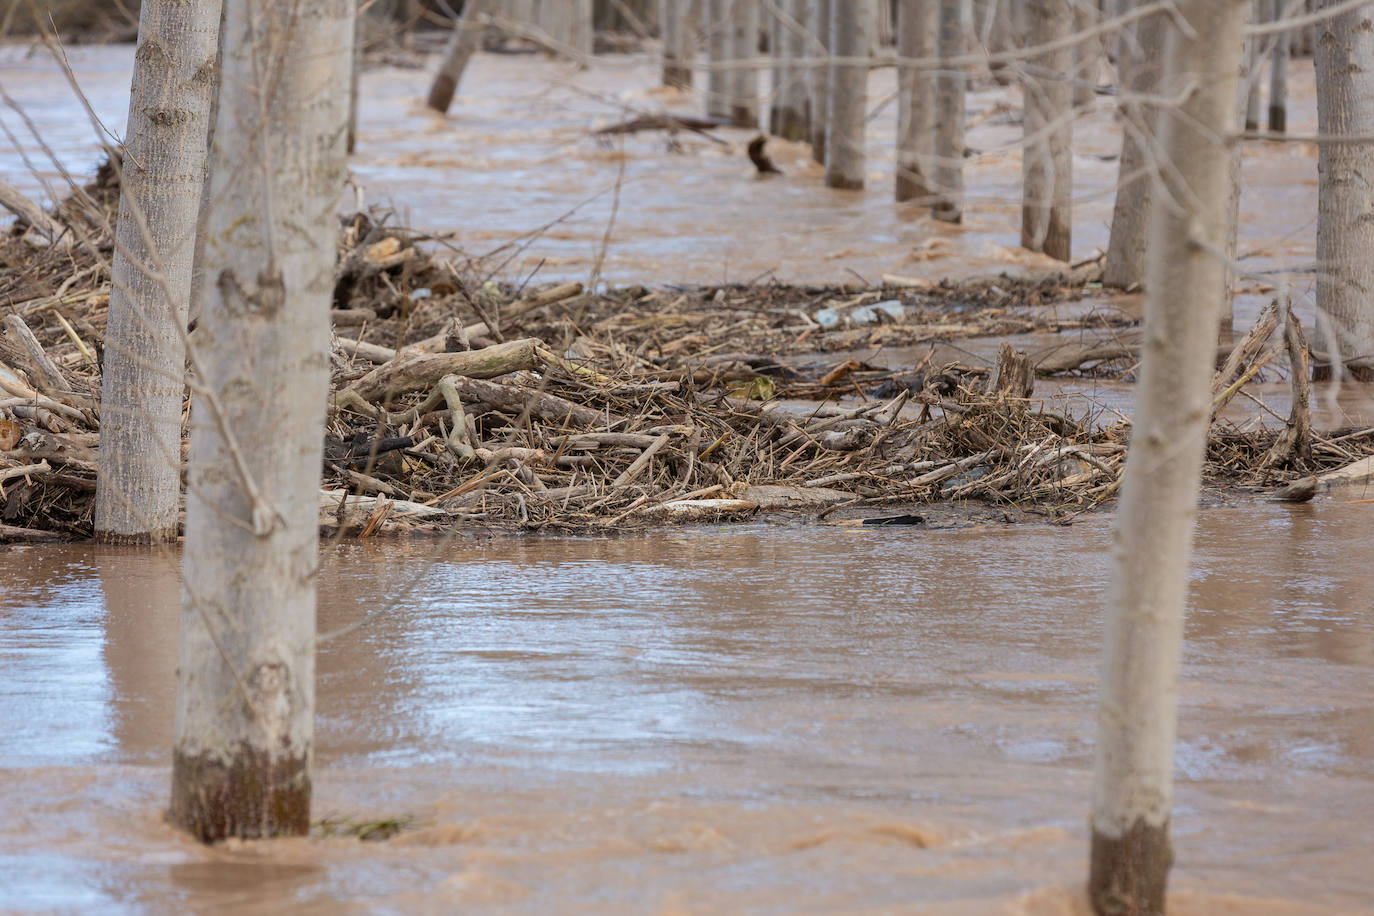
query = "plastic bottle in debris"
x=887 y=310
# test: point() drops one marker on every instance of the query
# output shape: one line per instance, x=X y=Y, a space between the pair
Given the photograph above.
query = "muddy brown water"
x=736 y=719
x=732 y=719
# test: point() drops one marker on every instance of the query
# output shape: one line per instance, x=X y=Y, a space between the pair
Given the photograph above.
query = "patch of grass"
x=368 y=831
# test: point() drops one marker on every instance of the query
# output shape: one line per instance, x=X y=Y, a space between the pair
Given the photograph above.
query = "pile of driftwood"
x=458 y=399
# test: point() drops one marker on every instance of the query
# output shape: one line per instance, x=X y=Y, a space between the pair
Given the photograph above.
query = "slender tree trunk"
x=720 y=79
x=950 y=85
x=245 y=683
x=1253 y=65
x=1345 y=197
x=790 y=95
x=1087 y=54
x=744 y=102
x=355 y=76
x=677 y=43
x=163 y=174
x=1137 y=715
x=1047 y=154
x=918 y=22
x=999 y=35
x=467 y=36
x=1278 y=73
x=820 y=78
x=851 y=34
x=1139 y=58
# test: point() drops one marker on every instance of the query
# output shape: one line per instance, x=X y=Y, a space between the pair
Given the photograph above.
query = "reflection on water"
x=722 y=719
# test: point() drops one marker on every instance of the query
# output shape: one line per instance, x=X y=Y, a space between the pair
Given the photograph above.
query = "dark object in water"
x=894 y=520
x=1299 y=491
x=760 y=158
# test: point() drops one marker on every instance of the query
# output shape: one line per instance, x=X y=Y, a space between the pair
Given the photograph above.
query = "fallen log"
x=54 y=232
x=515 y=399
x=423 y=371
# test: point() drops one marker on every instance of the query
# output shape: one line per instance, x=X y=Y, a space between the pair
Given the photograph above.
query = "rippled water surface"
x=753 y=718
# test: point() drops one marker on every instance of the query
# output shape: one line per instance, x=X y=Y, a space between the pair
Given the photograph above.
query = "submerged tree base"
x=252 y=795
x=1129 y=874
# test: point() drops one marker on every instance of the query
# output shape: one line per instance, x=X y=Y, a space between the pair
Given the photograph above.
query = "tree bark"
x=1140 y=54
x=245 y=682
x=1254 y=60
x=163 y=173
x=744 y=96
x=677 y=43
x=950 y=85
x=790 y=95
x=918 y=22
x=719 y=80
x=851 y=34
x=1047 y=153
x=1278 y=73
x=467 y=36
x=1345 y=197
x=1137 y=714
x=820 y=78
x=1087 y=55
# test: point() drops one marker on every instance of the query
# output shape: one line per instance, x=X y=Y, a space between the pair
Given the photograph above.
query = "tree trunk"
x=1278 y=73
x=720 y=79
x=1133 y=775
x=1139 y=57
x=744 y=98
x=245 y=683
x=790 y=95
x=950 y=85
x=851 y=34
x=1047 y=153
x=820 y=78
x=163 y=174
x=1087 y=55
x=918 y=22
x=1254 y=60
x=1345 y=198
x=677 y=43
x=467 y=36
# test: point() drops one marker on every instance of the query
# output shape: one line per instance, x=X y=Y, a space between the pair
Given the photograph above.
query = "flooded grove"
x=738 y=718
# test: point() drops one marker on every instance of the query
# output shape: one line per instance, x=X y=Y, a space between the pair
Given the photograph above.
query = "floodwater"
x=736 y=719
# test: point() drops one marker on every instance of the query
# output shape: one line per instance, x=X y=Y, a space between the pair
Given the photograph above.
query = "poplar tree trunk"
x=677 y=43
x=1087 y=55
x=918 y=22
x=820 y=78
x=245 y=681
x=1047 y=153
x=851 y=35
x=744 y=97
x=720 y=79
x=467 y=36
x=1278 y=73
x=1137 y=715
x=163 y=174
x=1139 y=57
x=950 y=85
x=790 y=95
x=1345 y=197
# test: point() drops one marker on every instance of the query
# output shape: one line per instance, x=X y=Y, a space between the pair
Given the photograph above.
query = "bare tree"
x=467 y=36
x=674 y=18
x=851 y=36
x=245 y=684
x=1047 y=153
x=1137 y=715
x=138 y=491
x=1278 y=73
x=820 y=78
x=918 y=22
x=1139 y=59
x=950 y=85
x=1345 y=197
x=720 y=50
x=744 y=96
x=1087 y=54
x=791 y=102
